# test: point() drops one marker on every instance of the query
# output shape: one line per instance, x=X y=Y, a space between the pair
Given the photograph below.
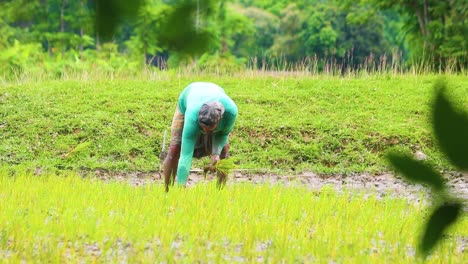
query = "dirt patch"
x=383 y=185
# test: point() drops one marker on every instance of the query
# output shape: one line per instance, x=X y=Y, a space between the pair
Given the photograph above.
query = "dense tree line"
x=236 y=33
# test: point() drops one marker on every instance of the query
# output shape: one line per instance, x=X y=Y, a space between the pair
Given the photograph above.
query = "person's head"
x=209 y=115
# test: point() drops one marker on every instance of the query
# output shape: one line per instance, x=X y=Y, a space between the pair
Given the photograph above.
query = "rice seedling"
x=67 y=218
x=222 y=168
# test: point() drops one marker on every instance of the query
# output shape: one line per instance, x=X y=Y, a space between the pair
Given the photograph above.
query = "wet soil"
x=383 y=185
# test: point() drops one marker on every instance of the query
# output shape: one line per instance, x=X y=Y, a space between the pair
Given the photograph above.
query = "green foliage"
x=266 y=27
x=285 y=43
x=417 y=172
x=146 y=30
x=219 y=63
x=240 y=33
x=321 y=33
x=109 y=13
x=441 y=218
x=7 y=32
x=180 y=33
x=16 y=59
x=358 y=35
x=435 y=29
x=450 y=127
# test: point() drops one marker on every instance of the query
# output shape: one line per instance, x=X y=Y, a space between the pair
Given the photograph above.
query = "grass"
x=67 y=218
x=286 y=123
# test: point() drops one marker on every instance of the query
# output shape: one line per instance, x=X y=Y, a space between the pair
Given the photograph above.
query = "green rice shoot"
x=67 y=218
x=223 y=167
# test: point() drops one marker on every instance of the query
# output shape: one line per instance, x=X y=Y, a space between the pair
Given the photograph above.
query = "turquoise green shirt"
x=190 y=101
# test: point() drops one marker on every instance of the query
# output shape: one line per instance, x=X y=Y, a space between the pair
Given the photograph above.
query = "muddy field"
x=383 y=185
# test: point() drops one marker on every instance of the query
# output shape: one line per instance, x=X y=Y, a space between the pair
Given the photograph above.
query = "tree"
x=363 y=36
x=435 y=28
x=321 y=31
x=243 y=28
x=351 y=35
x=7 y=32
x=266 y=26
x=286 y=44
x=239 y=32
x=189 y=27
x=144 y=40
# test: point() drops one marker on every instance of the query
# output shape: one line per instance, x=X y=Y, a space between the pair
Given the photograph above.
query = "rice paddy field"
x=69 y=148
x=68 y=218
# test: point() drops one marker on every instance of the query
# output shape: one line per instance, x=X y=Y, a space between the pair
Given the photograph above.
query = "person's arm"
x=189 y=136
x=220 y=138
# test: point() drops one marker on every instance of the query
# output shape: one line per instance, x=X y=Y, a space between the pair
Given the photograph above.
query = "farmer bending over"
x=202 y=121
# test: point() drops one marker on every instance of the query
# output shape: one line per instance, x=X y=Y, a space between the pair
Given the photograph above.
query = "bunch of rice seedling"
x=222 y=168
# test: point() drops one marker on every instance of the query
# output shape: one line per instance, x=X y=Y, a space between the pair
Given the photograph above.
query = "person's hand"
x=214 y=160
x=211 y=168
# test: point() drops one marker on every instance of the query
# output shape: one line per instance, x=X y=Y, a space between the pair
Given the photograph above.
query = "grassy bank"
x=52 y=219
x=287 y=123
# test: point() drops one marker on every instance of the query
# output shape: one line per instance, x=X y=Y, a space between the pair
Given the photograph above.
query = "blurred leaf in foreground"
x=439 y=221
x=450 y=128
x=416 y=171
x=109 y=13
x=180 y=33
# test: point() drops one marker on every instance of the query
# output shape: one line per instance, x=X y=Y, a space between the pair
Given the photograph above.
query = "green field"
x=71 y=219
x=55 y=134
